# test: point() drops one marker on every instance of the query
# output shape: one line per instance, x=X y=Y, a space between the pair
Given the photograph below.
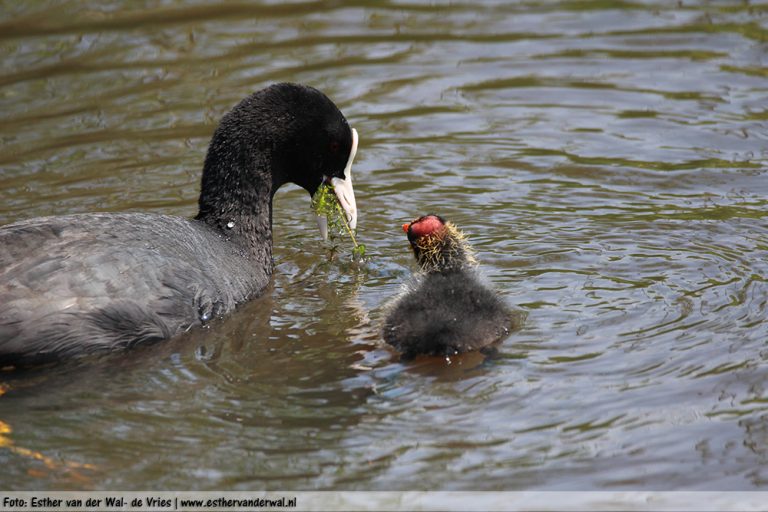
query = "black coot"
x=80 y=284
x=446 y=310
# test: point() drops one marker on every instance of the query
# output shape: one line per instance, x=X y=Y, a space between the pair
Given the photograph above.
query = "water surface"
x=607 y=160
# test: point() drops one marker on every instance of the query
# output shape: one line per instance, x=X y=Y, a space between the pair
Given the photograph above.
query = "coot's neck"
x=236 y=195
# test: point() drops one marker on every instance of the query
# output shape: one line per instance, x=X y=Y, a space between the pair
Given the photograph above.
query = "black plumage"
x=446 y=309
x=78 y=284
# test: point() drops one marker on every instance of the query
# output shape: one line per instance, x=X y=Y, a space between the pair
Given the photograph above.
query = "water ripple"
x=606 y=159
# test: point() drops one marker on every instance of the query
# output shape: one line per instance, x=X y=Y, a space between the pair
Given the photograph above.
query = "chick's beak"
x=405 y=228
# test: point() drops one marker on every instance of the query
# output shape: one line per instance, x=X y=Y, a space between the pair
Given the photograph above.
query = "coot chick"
x=446 y=310
x=79 y=284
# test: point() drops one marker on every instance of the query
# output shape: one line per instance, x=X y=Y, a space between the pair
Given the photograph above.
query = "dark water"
x=607 y=160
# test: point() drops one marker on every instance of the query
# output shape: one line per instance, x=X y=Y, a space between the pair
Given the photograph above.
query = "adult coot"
x=80 y=284
x=446 y=310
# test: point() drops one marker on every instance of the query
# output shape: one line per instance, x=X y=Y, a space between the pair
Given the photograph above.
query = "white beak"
x=344 y=192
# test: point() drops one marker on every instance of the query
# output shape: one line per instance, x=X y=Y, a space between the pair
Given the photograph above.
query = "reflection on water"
x=606 y=159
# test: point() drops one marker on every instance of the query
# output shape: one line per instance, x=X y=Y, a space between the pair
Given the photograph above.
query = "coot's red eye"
x=334 y=146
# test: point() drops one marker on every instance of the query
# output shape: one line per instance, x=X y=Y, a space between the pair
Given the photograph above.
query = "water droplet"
x=230 y=224
x=205 y=316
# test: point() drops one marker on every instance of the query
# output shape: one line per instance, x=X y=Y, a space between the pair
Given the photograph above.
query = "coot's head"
x=438 y=245
x=283 y=133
